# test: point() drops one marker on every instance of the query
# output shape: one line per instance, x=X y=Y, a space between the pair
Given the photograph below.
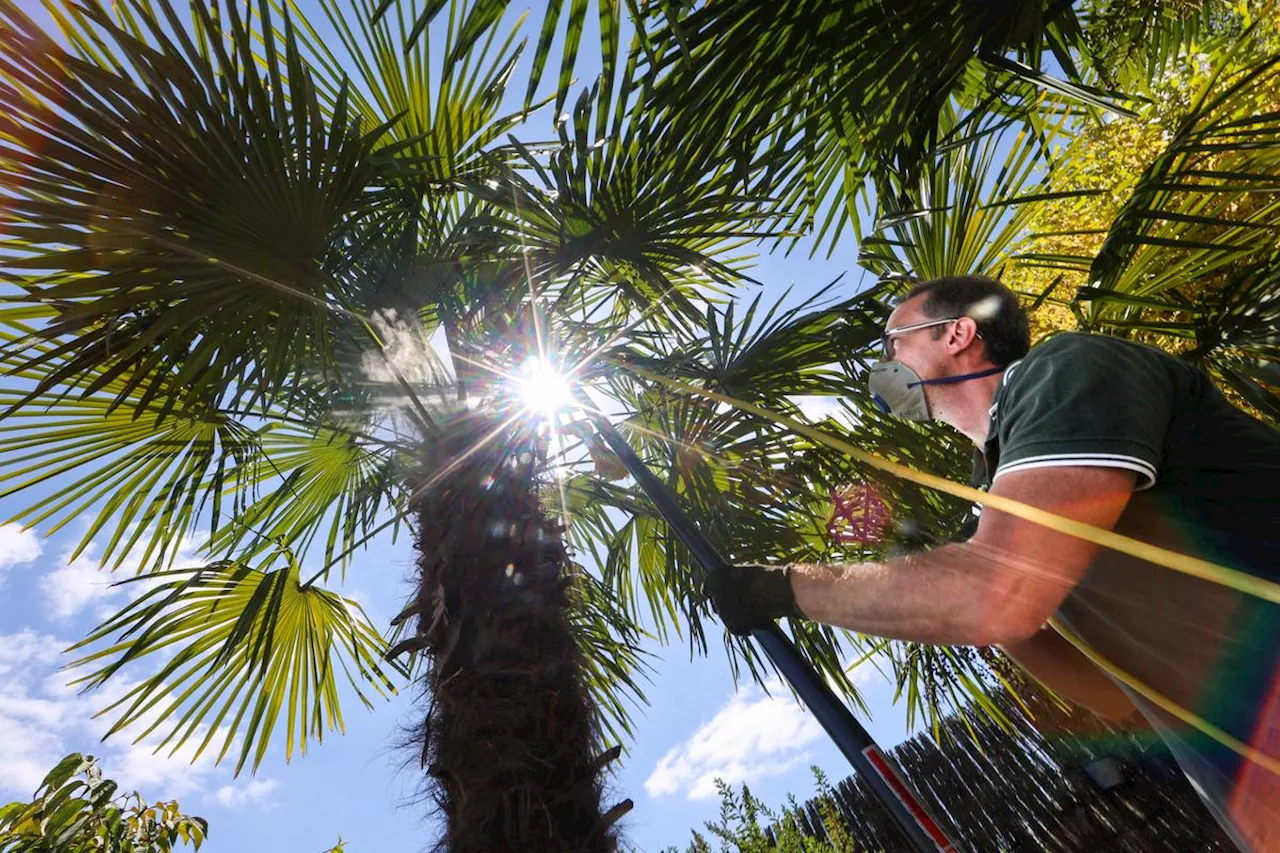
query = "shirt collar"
x=1004 y=380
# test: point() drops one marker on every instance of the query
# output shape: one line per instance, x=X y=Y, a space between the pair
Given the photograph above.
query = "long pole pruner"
x=878 y=770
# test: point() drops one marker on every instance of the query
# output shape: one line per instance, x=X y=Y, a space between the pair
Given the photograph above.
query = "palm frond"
x=147 y=477
x=468 y=26
x=441 y=111
x=178 y=200
x=1134 y=44
x=1190 y=259
x=850 y=89
x=967 y=209
x=638 y=219
x=141 y=471
x=312 y=482
x=244 y=648
x=616 y=666
x=1211 y=198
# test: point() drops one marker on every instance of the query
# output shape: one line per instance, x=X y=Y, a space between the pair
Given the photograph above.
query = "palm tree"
x=261 y=254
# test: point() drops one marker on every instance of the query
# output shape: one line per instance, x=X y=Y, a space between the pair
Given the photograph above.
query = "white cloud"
x=78 y=583
x=25 y=649
x=816 y=407
x=753 y=736
x=43 y=718
x=18 y=545
x=29 y=744
x=257 y=791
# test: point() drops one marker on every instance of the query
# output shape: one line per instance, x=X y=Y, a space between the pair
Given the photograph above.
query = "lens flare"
x=543 y=388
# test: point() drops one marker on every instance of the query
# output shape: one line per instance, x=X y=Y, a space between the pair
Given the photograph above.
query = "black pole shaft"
x=876 y=769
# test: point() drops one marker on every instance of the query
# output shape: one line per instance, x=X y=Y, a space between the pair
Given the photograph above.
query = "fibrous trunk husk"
x=511 y=742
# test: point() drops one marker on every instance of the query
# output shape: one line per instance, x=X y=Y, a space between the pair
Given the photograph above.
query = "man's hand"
x=749 y=597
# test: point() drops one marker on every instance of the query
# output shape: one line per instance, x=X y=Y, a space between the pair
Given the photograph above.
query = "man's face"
x=923 y=350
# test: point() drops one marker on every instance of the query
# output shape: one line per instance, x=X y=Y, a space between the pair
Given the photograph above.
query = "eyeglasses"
x=886 y=340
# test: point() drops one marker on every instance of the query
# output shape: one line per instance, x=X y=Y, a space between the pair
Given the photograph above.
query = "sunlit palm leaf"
x=641 y=217
x=242 y=649
x=313 y=482
x=849 y=88
x=773 y=354
x=610 y=642
x=148 y=477
x=1211 y=199
x=1206 y=212
x=182 y=202
x=445 y=116
x=967 y=209
x=483 y=15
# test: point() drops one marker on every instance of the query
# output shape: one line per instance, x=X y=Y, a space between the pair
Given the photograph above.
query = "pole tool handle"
x=876 y=768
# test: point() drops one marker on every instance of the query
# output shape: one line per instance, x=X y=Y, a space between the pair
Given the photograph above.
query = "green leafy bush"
x=747 y=825
x=77 y=810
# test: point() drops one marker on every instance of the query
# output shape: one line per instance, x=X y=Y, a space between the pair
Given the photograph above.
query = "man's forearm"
x=962 y=594
x=1057 y=664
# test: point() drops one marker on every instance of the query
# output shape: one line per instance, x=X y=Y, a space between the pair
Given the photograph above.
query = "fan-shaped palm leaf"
x=483 y=15
x=850 y=88
x=966 y=211
x=312 y=481
x=640 y=218
x=142 y=471
x=445 y=113
x=183 y=207
x=250 y=646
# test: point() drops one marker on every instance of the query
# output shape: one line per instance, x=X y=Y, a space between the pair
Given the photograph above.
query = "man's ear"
x=963 y=334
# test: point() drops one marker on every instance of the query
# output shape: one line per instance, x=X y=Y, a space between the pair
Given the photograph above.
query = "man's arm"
x=1000 y=586
x=1058 y=665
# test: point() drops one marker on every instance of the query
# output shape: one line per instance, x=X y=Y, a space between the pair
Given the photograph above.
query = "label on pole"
x=908 y=799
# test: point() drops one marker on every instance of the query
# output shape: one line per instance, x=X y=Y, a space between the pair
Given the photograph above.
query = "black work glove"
x=751 y=596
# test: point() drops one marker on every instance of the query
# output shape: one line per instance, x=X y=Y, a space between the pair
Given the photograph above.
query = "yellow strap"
x=1185 y=563
x=1166 y=704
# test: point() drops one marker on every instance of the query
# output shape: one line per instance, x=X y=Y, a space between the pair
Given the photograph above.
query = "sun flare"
x=543 y=388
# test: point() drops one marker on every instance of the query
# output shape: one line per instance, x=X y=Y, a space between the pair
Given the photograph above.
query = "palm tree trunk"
x=510 y=742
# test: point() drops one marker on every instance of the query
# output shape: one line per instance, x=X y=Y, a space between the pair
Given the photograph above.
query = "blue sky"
x=355 y=785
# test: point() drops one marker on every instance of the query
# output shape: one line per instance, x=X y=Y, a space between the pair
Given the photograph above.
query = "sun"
x=543 y=388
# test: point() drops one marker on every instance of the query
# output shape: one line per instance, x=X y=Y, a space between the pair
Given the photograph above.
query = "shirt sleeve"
x=1085 y=401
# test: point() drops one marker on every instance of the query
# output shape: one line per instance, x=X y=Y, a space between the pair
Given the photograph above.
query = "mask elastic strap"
x=952 y=380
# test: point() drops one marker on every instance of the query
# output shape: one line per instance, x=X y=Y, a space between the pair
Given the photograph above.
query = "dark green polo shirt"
x=1207 y=484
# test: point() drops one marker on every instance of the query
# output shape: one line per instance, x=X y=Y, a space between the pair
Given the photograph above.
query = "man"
x=1118 y=436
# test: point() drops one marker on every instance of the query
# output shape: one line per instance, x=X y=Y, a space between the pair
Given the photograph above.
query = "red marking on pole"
x=908 y=799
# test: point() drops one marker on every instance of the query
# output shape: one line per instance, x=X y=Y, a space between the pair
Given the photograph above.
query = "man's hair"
x=1006 y=335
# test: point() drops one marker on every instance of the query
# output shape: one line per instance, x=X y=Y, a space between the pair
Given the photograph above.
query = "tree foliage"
x=747 y=825
x=77 y=810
